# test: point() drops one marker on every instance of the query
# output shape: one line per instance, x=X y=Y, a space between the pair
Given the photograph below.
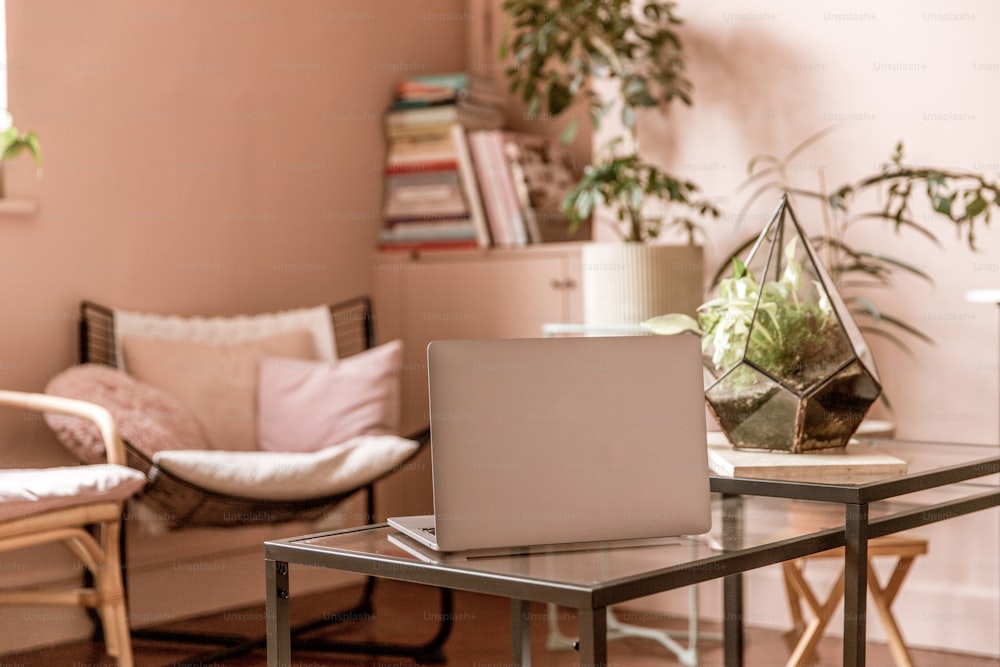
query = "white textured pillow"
x=305 y=406
x=289 y=476
x=235 y=329
x=24 y=492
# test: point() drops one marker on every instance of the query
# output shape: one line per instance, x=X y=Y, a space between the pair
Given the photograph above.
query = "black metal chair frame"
x=189 y=505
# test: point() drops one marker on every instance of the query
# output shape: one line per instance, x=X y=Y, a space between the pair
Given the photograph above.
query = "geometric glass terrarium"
x=789 y=369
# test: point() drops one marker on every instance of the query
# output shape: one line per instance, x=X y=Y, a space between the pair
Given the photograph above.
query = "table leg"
x=593 y=637
x=855 y=584
x=279 y=641
x=732 y=586
x=732 y=624
x=520 y=633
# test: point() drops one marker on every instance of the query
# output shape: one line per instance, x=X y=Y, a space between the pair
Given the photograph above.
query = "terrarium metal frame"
x=804 y=378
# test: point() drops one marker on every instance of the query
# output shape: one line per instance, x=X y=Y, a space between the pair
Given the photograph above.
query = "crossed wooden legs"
x=806 y=635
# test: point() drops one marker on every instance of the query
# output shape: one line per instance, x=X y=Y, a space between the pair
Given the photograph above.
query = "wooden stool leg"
x=794 y=605
x=883 y=599
x=822 y=613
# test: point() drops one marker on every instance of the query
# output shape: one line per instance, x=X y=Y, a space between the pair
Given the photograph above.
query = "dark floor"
x=405 y=612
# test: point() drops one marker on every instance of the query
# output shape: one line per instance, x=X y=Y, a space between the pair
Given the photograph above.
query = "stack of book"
x=432 y=197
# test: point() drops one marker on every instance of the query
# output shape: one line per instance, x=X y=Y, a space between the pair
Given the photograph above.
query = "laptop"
x=563 y=441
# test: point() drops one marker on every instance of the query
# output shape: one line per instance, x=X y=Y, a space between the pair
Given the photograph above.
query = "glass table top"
x=759 y=523
x=750 y=526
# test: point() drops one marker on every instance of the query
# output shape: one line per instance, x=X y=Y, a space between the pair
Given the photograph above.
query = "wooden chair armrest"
x=113 y=447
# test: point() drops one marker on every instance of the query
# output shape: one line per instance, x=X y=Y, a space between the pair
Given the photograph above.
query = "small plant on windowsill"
x=13 y=142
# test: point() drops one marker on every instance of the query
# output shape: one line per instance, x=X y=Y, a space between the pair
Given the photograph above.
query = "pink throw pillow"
x=217 y=383
x=306 y=406
x=148 y=418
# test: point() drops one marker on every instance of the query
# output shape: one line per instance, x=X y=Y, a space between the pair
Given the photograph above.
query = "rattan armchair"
x=63 y=505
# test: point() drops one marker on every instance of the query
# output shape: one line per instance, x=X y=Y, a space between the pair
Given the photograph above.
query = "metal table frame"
x=859 y=529
x=592 y=600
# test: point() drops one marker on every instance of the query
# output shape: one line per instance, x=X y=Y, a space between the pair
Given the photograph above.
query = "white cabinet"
x=497 y=293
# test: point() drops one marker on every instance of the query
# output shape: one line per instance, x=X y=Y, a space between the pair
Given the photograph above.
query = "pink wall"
x=205 y=158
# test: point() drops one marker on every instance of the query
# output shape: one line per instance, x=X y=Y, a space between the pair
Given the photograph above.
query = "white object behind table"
x=855 y=463
x=984 y=296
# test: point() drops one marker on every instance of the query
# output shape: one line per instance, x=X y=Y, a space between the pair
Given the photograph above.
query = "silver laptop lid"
x=550 y=440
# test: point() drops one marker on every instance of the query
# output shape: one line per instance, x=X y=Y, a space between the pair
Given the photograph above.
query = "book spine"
x=512 y=217
x=447 y=113
x=460 y=244
x=430 y=228
x=418 y=166
x=430 y=218
x=514 y=156
x=417 y=132
x=486 y=175
x=467 y=175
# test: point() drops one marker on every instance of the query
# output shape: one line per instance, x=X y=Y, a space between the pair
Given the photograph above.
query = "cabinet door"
x=487 y=298
x=462 y=295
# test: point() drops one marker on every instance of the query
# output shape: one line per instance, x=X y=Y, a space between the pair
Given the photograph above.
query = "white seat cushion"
x=289 y=475
x=27 y=491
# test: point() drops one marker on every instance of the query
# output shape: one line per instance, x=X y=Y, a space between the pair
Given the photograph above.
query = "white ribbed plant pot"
x=626 y=283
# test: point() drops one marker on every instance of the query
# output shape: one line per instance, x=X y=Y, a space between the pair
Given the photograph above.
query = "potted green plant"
x=618 y=58
x=13 y=142
x=789 y=369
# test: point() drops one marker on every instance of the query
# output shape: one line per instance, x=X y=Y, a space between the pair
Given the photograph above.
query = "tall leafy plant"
x=965 y=201
x=556 y=48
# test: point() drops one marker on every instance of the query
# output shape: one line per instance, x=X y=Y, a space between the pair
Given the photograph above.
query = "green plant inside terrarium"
x=796 y=334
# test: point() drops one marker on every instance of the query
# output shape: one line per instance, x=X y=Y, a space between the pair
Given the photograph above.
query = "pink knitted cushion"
x=147 y=417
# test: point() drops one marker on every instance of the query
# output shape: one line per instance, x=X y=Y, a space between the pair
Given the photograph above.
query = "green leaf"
x=628 y=116
x=867 y=306
x=560 y=97
x=672 y=324
x=942 y=204
x=569 y=132
x=975 y=207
